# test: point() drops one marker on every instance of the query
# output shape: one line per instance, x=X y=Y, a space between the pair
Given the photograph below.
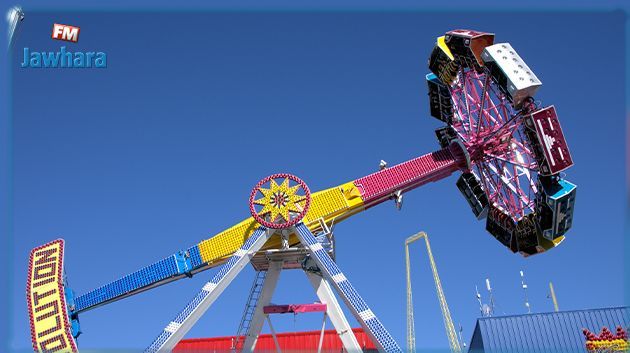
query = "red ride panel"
x=405 y=176
x=295 y=342
x=552 y=139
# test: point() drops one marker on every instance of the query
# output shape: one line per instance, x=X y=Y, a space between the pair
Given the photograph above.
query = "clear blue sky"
x=161 y=149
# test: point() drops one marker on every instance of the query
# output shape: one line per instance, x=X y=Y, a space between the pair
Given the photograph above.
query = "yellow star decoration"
x=279 y=200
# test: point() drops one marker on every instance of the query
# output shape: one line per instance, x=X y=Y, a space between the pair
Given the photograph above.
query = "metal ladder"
x=250 y=308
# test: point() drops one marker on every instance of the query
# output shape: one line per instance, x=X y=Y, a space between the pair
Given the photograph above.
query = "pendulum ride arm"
x=334 y=204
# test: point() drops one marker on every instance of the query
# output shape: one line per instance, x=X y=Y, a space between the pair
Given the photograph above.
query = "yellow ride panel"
x=227 y=242
x=334 y=203
x=51 y=330
x=326 y=204
x=441 y=42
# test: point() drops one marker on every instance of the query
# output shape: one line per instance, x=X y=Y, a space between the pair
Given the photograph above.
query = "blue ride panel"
x=555 y=206
x=195 y=256
x=152 y=274
x=181 y=263
x=363 y=314
x=70 y=305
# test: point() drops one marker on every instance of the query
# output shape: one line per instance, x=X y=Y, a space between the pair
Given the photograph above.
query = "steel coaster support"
x=383 y=341
x=334 y=313
x=184 y=321
x=256 y=324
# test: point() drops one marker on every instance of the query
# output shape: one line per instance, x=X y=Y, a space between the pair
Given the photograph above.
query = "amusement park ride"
x=511 y=153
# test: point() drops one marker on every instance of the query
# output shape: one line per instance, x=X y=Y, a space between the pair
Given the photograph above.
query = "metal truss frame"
x=329 y=277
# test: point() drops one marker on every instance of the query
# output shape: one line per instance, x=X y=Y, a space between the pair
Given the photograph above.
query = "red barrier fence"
x=290 y=342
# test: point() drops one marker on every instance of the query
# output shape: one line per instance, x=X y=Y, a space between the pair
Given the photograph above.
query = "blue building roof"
x=544 y=332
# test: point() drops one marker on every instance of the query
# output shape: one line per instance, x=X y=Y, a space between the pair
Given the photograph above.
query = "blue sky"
x=161 y=149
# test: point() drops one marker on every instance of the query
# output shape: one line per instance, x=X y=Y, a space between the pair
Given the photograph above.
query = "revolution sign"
x=50 y=327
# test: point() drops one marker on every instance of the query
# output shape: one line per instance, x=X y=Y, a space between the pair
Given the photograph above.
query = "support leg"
x=269 y=286
x=177 y=328
x=321 y=335
x=334 y=312
x=273 y=334
x=383 y=341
